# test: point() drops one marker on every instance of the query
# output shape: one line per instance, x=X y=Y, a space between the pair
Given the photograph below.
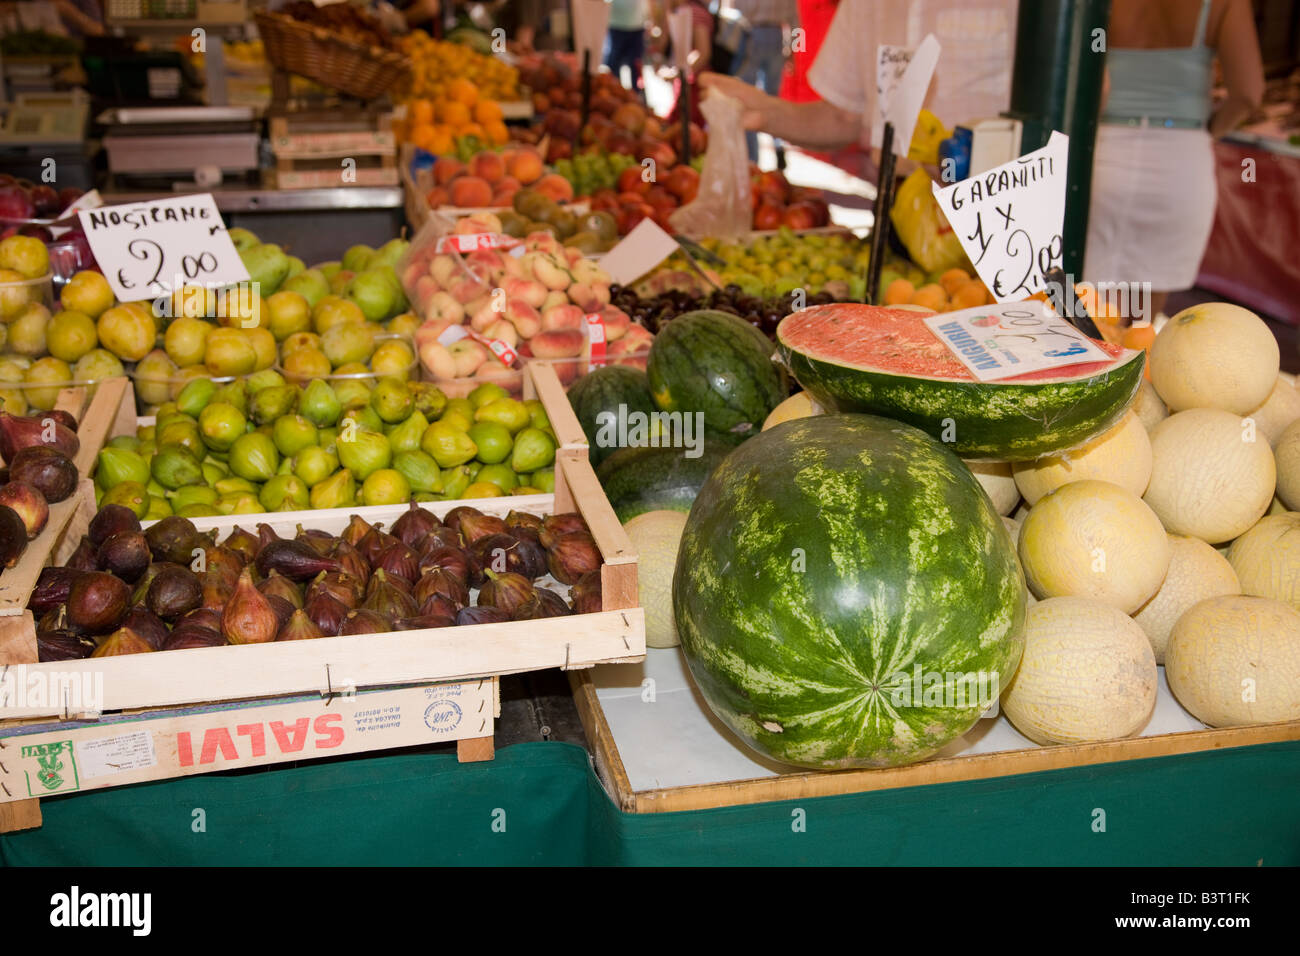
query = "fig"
x=65 y=419
x=527 y=557
x=18 y=432
x=373 y=544
x=173 y=592
x=344 y=588
x=248 y=617
x=423 y=622
x=282 y=610
x=489 y=552
x=481 y=615
x=506 y=590
x=188 y=636
x=142 y=586
x=414 y=525
x=350 y=561
x=148 y=625
x=585 y=593
x=522 y=519
x=125 y=554
x=85 y=557
x=218 y=587
x=225 y=560
x=122 y=641
x=51 y=589
x=175 y=466
x=277 y=584
x=388 y=599
x=116 y=465
x=400 y=583
x=13 y=537
x=322 y=542
x=175 y=539
x=365 y=621
x=109 y=520
x=441 y=537
x=357 y=529
x=98 y=602
x=440 y=605
x=452 y=560
x=444 y=582
x=203 y=617
x=326 y=612
x=399 y=561
x=549 y=604
x=453 y=517
x=478 y=526
x=300 y=628
x=244 y=543
x=573 y=555
x=48 y=470
x=293 y=559
x=555 y=525
x=28 y=503
x=62 y=646
x=266 y=535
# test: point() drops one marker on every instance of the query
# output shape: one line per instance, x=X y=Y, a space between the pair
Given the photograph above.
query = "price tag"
x=638 y=252
x=504 y=353
x=1002 y=341
x=452 y=333
x=1009 y=219
x=902 y=78
x=147 y=249
x=596 y=338
x=469 y=242
x=88 y=200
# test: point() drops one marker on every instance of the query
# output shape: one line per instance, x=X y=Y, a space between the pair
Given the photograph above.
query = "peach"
x=524 y=318
x=512 y=268
x=430 y=330
x=542 y=242
x=636 y=338
x=551 y=273
x=589 y=297
x=616 y=322
x=552 y=300
x=587 y=270
x=446 y=168
x=559 y=317
x=526 y=290
x=485 y=317
x=572 y=255
x=425 y=289
x=478 y=223
x=445 y=270
x=562 y=343
x=509 y=184
x=470 y=191
x=412 y=273
x=555 y=186
x=503 y=331
x=488 y=259
x=525 y=165
x=566 y=372
x=438 y=360
x=466 y=289
x=475 y=304
x=469 y=355
x=444 y=305
x=488 y=166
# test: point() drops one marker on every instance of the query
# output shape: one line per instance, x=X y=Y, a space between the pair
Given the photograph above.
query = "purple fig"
x=175 y=539
x=414 y=525
x=398 y=561
x=277 y=584
x=28 y=503
x=586 y=593
x=62 y=646
x=300 y=628
x=98 y=602
x=573 y=555
x=188 y=636
x=326 y=613
x=453 y=517
x=476 y=527
x=555 y=525
x=148 y=625
x=522 y=519
x=506 y=590
x=357 y=529
x=365 y=621
x=440 y=581
x=47 y=469
x=85 y=557
x=244 y=543
x=125 y=554
x=202 y=617
x=51 y=590
x=109 y=520
x=481 y=615
x=389 y=599
x=122 y=641
x=248 y=617
x=18 y=432
x=175 y=591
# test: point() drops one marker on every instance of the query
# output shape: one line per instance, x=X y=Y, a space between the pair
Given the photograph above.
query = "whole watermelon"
x=637 y=480
x=718 y=364
x=603 y=391
x=846 y=594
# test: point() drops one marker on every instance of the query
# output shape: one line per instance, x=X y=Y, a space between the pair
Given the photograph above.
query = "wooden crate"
x=803 y=784
x=310 y=148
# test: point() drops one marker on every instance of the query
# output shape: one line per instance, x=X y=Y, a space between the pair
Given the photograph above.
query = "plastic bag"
x=922 y=226
x=722 y=207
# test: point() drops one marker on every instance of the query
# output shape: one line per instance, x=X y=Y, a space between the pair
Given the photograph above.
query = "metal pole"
x=1056 y=84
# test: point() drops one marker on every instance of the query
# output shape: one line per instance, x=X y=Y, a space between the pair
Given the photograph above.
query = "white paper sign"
x=590 y=23
x=1001 y=341
x=638 y=252
x=902 y=79
x=679 y=31
x=109 y=755
x=1009 y=219
x=147 y=249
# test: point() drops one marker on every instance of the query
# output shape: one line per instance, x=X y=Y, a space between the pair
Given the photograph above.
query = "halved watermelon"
x=865 y=358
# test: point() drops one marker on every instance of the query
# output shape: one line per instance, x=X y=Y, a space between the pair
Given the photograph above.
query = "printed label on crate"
x=147 y=249
x=471 y=242
x=596 y=337
x=1000 y=341
x=1009 y=219
x=109 y=755
x=52 y=768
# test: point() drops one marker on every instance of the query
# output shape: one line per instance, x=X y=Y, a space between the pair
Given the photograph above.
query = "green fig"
x=339 y=490
x=392 y=400
x=284 y=493
x=352 y=392
x=420 y=471
x=320 y=405
x=543 y=481
x=196 y=396
x=455 y=481
x=537 y=416
x=182 y=431
x=293 y=433
x=268 y=404
x=130 y=494
x=175 y=467
x=254 y=457
x=485 y=393
x=314 y=464
x=233 y=487
x=362 y=418
x=407 y=435
x=387 y=486
x=221 y=424
x=159 y=508
x=236 y=393
x=510 y=412
x=363 y=452
x=447 y=445
x=493 y=441
x=117 y=465
x=500 y=475
x=429 y=399
x=533 y=449
x=182 y=498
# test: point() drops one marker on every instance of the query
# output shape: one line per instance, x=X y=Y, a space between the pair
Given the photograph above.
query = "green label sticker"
x=58 y=768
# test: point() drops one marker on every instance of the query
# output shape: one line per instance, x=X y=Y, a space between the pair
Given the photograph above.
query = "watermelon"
x=845 y=594
x=637 y=480
x=605 y=390
x=864 y=358
x=719 y=365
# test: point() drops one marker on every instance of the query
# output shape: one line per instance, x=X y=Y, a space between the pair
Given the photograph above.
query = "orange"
x=497 y=133
x=1138 y=337
x=931 y=296
x=899 y=292
x=441 y=144
x=463 y=91
x=453 y=113
x=420 y=112
x=422 y=136
x=952 y=280
x=472 y=129
x=486 y=111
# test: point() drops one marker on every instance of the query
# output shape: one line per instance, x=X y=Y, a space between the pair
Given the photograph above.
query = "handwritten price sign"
x=1009 y=219
x=149 y=249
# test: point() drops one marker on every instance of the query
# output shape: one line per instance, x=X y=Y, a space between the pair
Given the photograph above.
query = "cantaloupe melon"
x=1196 y=572
x=1148 y=406
x=1280 y=410
x=1236 y=660
x=1286 y=454
x=1267 y=559
x=655 y=536
x=798 y=405
x=1097 y=540
x=1121 y=455
x=1212 y=474
x=998 y=484
x=1087 y=674
x=1214 y=355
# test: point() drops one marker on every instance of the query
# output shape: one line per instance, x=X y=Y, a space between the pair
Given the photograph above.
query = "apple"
x=631 y=181
x=15 y=203
x=45 y=201
x=664 y=156
x=767 y=216
x=798 y=216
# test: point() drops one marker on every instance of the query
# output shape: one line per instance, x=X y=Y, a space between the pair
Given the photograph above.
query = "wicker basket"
x=361 y=71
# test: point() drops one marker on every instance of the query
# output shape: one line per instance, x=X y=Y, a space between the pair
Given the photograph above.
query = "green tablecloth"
x=540 y=803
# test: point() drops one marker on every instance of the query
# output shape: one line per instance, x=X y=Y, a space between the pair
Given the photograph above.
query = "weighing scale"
x=202 y=145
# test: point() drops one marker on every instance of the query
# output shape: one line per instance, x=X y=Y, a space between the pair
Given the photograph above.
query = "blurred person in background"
x=1153 y=181
x=698 y=57
x=769 y=24
x=625 y=43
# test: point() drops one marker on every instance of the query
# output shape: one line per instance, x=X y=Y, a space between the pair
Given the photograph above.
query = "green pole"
x=1056 y=85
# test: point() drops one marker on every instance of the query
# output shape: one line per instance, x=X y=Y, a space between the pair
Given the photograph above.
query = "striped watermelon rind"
x=826 y=563
x=1010 y=420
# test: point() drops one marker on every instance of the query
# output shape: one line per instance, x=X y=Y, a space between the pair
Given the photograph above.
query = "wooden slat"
x=475 y=749
x=600 y=741
x=18 y=639
x=545 y=385
x=585 y=491
x=20 y=815
x=112 y=405
x=16 y=583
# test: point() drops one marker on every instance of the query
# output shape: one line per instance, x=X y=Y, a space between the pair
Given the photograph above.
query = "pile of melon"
x=1171 y=539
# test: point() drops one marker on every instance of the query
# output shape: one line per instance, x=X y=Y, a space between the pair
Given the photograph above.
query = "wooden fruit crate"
x=310 y=147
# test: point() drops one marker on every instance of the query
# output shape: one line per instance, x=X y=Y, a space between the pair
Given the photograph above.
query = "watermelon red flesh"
x=865 y=358
x=826 y=564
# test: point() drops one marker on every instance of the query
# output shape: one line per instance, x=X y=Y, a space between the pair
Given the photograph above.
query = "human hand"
x=753 y=101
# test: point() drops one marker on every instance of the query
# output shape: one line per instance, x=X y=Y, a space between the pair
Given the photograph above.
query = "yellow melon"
x=1148 y=406
x=1286 y=454
x=1267 y=559
x=1087 y=674
x=1212 y=474
x=1280 y=410
x=1121 y=455
x=1094 y=539
x=799 y=405
x=1214 y=355
x=655 y=536
x=1196 y=572
x=995 y=477
x=1236 y=660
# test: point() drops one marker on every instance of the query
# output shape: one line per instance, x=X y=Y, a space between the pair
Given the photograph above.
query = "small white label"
x=110 y=755
x=147 y=249
x=1001 y=341
x=638 y=252
x=902 y=79
x=1009 y=219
